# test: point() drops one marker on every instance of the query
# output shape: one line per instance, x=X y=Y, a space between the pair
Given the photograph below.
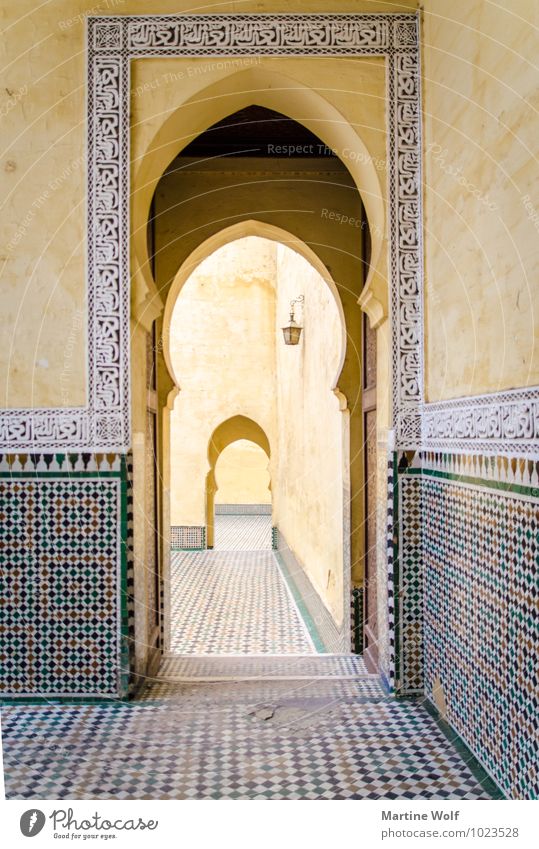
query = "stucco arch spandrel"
x=238 y=90
x=233 y=429
x=252 y=227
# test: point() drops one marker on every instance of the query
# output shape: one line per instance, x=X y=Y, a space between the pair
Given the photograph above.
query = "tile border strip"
x=503 y=422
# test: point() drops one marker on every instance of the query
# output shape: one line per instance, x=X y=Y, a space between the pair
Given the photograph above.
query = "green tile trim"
x=502 y=486
x=396 y=569
x=124 y=620
x=56 y=475
x=305 y=615
x=474 y=765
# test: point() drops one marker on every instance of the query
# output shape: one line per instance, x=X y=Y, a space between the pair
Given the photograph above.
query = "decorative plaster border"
x=500 y=423
x=112 y=42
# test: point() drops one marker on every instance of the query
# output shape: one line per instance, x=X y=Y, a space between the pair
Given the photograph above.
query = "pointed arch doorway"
x=288 y=388
x=233 y=533
x=344 y=291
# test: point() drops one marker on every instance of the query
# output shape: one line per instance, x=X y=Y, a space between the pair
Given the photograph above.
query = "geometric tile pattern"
x=184 y=537
x=327 y=636
x=242 y=533
x=481 y=550
x=409 y=657
x=61 y=556
x=387 y=660
x=241 y=740
x=356 y=619
x=233 y=602
x=242 y=667
x=243 y=509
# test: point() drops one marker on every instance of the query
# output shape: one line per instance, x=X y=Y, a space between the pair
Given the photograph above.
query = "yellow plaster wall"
x=310 y=469
x=42 y=174
x=242 y=475
x=482 y=196
x=222 y=345
x=480 y=106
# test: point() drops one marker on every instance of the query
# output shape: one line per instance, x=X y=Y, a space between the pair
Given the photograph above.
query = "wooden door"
x=370 y=628
x=151 y=511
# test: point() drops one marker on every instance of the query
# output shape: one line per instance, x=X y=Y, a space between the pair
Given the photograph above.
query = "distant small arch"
x=229 y=431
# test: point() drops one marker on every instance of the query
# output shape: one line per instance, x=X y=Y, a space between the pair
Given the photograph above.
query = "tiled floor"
x=233 y=602
x=324 y=739
x=242 y=533
x=242 y=668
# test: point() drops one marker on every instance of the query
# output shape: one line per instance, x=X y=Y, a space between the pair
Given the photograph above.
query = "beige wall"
x=222 y=350
x=242 y=474
x=297 y=197
x=42 y=173
x=482 y=196
x=480 y=102
x=310 y=469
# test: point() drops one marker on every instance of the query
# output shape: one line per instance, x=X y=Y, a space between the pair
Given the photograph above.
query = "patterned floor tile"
x=242 y=533
x=252 y=740
x=192 y=667
x=233 y=602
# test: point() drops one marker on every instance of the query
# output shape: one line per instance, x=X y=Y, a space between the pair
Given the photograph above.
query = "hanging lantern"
x=292 y=331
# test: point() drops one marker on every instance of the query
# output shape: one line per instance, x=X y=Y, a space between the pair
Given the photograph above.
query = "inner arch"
x=239 y=90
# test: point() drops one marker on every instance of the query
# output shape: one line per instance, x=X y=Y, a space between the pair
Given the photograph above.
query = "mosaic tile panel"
x=185 y=537
x=409 y=658
x=481 y=558
x=466 y=604
x=130 y=572
x=61 y=555
x=250 y=740
x=233 y=602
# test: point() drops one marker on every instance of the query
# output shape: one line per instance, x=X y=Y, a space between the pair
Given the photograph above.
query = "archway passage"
x=242 y=498
x=260 y=172
x=242 y=450
x=227 y=352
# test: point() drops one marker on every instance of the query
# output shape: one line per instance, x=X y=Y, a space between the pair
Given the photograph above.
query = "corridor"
x=242 y=532
x=233 y=602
